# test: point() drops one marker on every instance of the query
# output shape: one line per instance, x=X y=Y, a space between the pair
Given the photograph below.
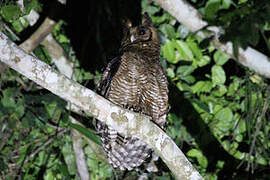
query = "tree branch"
x=124 y=121
x=190 y=17
x=44 y=30
x=43 y=34
x=78 y=151
x=65 y=67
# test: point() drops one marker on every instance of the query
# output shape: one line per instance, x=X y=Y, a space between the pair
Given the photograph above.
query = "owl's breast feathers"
x=140 y=84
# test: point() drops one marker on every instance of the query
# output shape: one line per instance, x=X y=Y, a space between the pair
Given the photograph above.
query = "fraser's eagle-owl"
x=134 y=80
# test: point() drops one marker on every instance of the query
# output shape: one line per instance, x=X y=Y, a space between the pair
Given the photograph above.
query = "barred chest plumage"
x=136 y=81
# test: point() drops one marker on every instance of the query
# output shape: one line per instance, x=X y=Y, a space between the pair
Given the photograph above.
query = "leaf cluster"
x=246 y=22
x=12 y=13
x=35 y=140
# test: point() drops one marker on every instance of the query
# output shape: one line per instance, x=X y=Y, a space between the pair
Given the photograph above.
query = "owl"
x=134 y=80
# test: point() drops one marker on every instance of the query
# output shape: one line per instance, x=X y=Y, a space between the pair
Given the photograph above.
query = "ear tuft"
x=146 y=20
x=127 y=23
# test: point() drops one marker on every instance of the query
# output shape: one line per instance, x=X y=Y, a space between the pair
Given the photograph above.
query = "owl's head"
x=142 y=35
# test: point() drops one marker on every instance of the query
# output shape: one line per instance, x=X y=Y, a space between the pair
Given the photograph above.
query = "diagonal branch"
x=43 y=34
x=44 y=30
x=191 y=18
x=122 y=120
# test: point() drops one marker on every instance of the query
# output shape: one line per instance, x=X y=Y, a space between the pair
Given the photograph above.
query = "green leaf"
x=201 y=105
x=220 y=58
x=5 y=150
x=64 y=170
x=211 y=9
x=225 y=118
x=218 y=75
x=189 y=79
x=226 y=4
x=182 y=31
x=58 y=27
x=88 y=75
x=168 y=30
x=17 y=25
x=42 y=157
x=169 y=52
x=234 y=87
x=86 y=132
x=170 y=73
x=10 y=12
x=242 y=126
x=173 y=118
x=184 y=50
x=19 y=111
x=183 y=86
x=262 y=160
x=256 y=79
x=23 y=154
x=50 y=107
x=220 y=91
x=254 y=35
x=194 y=153
x=202 y=160
x=8 y=97
x=195 y=49
x=62 y=39
x=31 y=4
x=160 y=19
x=2 y=165
x=49 y=175
x=13 y=103
x=42 y=53
x=185 y=70
x=68 y=158
x=204 y=61
x=202 y=86
x=150 y=9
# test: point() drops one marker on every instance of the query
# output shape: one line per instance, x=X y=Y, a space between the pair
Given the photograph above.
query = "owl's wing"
x=108 y=73
x=103 y=88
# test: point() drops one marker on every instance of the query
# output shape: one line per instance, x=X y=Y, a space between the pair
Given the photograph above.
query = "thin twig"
x=78 y=151
x=258 y=127
x=49 y=141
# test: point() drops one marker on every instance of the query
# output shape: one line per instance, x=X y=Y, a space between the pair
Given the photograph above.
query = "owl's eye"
x=141 y=31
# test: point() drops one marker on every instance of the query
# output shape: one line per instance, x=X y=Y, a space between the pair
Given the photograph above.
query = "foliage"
x=236 y=17
x=232 y=105
x=12 y=13
x=219 y=110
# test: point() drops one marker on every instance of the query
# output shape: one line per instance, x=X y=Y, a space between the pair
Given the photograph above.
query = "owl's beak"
x=132 y=38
